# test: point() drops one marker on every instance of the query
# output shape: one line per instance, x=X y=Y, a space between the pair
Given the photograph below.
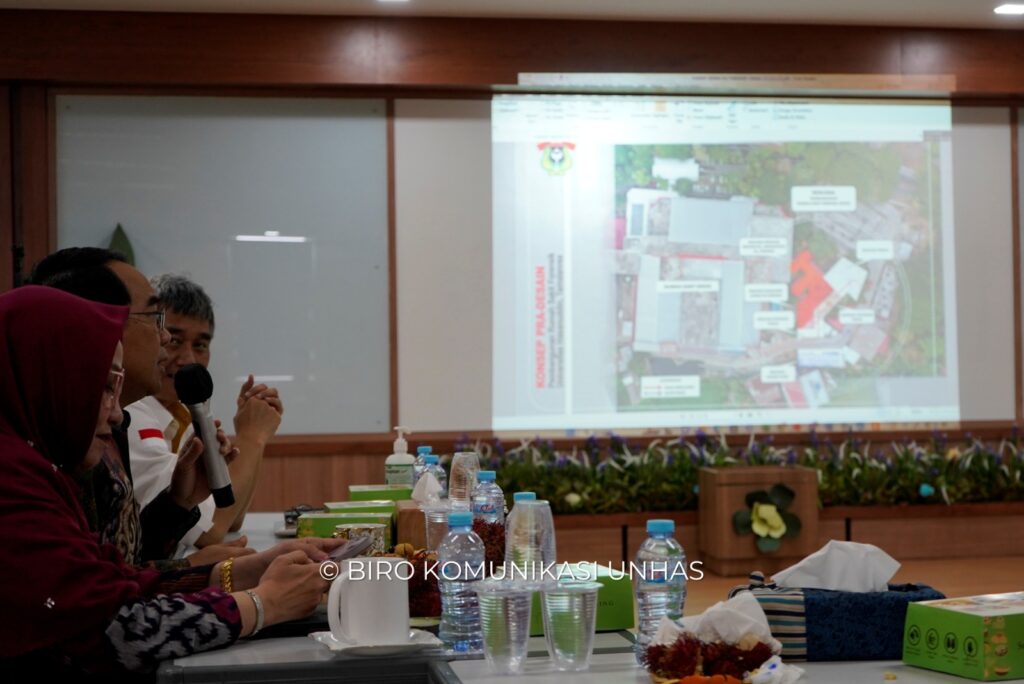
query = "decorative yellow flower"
x=766 y=521
x=573 y=499
x=952 y=454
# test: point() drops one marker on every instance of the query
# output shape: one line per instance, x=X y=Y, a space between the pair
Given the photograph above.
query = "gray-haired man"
x=161 y=424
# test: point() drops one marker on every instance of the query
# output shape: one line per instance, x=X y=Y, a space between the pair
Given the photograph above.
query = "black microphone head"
x=193 y=384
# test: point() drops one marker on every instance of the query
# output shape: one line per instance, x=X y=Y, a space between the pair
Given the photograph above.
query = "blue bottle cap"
x=460 y=519
x=430 y=459
x=485 y=476
x=424 y=449
x=524 y=496
x=661 y=526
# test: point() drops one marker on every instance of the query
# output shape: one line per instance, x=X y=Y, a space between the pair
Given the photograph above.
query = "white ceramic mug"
x=368 y=604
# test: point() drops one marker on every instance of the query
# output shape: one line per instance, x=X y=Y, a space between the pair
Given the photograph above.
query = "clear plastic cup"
x=505 y=623
x=570 y=613
x=462 y=478
x=529 y=541
x=435 y=517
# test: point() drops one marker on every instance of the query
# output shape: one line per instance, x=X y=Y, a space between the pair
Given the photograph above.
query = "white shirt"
x=149 y=447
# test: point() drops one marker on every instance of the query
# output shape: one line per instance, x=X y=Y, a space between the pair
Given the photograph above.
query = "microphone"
x=195 y=387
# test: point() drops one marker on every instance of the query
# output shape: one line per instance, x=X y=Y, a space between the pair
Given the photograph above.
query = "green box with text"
x=324 y=524
x=379 y=491
x=614 y=598
x=980 y=637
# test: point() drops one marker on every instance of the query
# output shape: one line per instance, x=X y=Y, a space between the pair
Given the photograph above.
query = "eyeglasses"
x=158 y=316
x=111 y=393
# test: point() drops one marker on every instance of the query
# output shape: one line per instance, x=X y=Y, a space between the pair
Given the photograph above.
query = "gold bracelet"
x=225 y=575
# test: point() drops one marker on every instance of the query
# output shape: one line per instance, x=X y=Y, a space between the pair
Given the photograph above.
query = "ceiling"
x=946 y=13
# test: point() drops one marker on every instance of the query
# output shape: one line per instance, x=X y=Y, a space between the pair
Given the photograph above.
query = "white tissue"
x=726 y=621
x=841 y=566
x=427 y=490
x=774 y=671
x=729 y=621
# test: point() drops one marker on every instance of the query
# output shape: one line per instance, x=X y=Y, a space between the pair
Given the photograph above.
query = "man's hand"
x=259 y=412
x=251 y=390
x=189 y=485
x=215 y=553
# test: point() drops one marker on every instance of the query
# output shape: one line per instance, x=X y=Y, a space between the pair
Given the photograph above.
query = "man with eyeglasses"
x=153 y=533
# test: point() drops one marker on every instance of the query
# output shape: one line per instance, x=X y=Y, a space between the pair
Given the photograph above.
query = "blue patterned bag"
x=818 y=624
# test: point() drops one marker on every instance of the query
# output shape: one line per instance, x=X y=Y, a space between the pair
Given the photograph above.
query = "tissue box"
x=323 y=524
x=823 y=625
x=980 y=637
x=373 y=506
x=379 y=491
x=614 y=599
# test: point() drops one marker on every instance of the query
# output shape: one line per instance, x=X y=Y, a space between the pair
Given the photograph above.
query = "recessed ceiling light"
x=1009 y=8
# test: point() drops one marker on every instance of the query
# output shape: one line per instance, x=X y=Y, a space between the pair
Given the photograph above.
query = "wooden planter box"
x=967 y=530
x=723 y=491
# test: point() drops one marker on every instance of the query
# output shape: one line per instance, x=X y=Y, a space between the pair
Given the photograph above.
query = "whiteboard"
x=185 y=176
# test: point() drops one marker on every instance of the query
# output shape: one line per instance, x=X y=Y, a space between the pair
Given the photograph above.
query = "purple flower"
x=791 y=456
x=561 y=462
x=499 y=448
x=926 y=490
x=701 y=439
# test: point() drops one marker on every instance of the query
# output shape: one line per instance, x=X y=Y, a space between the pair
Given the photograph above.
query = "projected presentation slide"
x=675 y=262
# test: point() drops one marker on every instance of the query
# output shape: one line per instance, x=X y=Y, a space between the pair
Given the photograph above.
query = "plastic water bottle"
x=659 y=576
x=435 y=468
x=488 y=499
x=420 y=466
x=461 y=565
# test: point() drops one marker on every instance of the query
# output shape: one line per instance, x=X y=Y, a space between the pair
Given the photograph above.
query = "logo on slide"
x=556 y=157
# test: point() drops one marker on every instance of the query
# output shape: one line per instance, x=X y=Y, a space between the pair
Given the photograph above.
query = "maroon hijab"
x=55 y=353
x=58 y=588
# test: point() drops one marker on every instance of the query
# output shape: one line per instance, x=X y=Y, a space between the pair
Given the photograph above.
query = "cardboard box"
x=379 y=491
x=614 y=599
x=373 y=506
x=412 y=526
x=324 y=524
x=980 y=637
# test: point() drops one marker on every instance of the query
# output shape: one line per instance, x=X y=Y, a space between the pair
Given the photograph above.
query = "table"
x=301 y=659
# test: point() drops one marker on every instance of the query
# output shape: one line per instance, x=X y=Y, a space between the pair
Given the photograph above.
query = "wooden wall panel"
x=6 y=196
x=287 y=481
x=945 y=537
x=33 y=224
x=126 y=49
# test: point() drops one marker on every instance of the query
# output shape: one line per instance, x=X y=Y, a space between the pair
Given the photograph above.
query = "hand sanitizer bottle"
x=398 y=466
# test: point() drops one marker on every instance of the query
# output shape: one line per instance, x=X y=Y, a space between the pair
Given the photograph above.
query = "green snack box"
x=614 y=599
x=324 y=524
x=980 y=637
x=373 y=506
x=379 y=491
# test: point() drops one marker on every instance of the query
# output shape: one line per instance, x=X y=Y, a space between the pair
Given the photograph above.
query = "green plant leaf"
x=758 y=497
x=119 y=242
x=782 y=496
x=741 y=521
x=793 y=524
x=768 y=545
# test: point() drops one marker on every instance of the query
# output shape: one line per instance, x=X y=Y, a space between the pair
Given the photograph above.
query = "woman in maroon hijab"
x=67 y=601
